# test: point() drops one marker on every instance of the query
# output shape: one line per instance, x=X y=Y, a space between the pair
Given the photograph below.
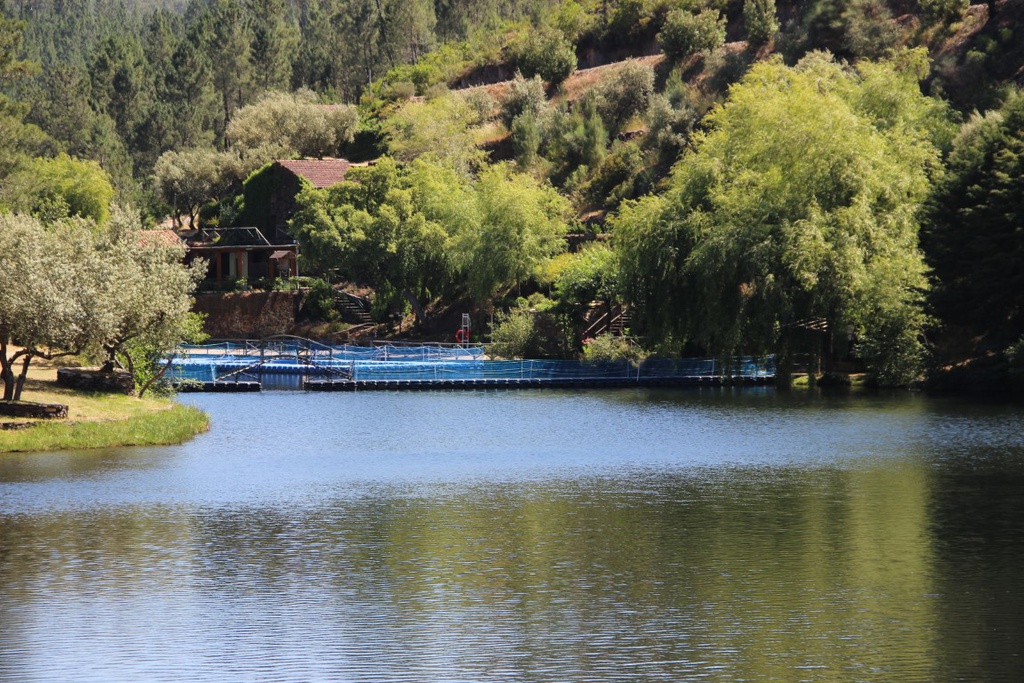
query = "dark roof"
x=320 y=173
x=232 y=237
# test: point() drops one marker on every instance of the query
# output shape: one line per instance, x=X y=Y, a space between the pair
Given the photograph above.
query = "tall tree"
x=973 y=237
x=18 y=140
x=227 y=41
x=519 y=224
x=800 y=205
x=192 y=103
x=121 y=87
x=274 y=38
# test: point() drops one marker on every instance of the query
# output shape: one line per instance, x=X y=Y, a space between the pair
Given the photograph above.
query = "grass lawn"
x=97 y=420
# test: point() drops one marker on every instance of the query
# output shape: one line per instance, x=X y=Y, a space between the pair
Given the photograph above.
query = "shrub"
x=605 y=347
x=515 y=335
x=525 y=139
x=545 y=53
x=481 y=102
x=321 y=302
x=401 y=90
x=627 y=93
x=685 y=33
x=628 y=22
x=619 y=177
x=944 y=11
x=524 y=95
x=870 y=29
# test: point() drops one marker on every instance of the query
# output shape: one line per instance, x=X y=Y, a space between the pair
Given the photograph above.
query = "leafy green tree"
x=526 y=139
x=590 y=275
x=575 y=139
x=519 y=223
x=515 y=335
x=972 y=236
x=438 y=130
x=799 y=205
x=80 y=188
x=373 y=230
x=622 y=175
x=685 y=33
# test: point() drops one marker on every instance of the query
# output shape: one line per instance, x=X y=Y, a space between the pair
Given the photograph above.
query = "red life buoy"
x=460 y=335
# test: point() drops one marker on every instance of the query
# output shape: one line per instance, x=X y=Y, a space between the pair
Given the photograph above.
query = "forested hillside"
x=825 y=179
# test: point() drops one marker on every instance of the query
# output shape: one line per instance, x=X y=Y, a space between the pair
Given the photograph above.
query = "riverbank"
x=97 y=420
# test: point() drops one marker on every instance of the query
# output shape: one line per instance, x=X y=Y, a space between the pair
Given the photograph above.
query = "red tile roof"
x=320 y=172
x=154 y=237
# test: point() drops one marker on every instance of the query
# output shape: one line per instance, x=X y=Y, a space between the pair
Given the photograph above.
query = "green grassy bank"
x=98 y=420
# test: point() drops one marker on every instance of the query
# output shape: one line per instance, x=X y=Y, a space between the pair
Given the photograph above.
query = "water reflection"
x=620 y=536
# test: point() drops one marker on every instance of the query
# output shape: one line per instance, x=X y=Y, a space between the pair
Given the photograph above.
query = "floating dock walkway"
x=574 y=383
x=291 y=362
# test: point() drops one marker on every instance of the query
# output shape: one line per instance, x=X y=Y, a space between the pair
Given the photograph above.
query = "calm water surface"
x=527 y=536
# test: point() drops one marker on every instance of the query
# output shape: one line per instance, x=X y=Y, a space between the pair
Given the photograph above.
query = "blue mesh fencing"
x=240 y=360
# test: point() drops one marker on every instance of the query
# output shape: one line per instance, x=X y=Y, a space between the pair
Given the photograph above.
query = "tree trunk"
x=21 y=377
x=8 y=378
x=6 y=373
x=152 y=380
x=417 y=308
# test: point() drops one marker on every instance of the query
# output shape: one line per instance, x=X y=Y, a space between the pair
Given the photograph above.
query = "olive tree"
x=189 y=179
x=150 y=301
x=64 y=290
x=51 y=280
x=284 y=126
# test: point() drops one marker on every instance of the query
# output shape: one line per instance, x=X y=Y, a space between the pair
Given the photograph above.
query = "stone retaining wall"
x=91 y=379
x=36 y=410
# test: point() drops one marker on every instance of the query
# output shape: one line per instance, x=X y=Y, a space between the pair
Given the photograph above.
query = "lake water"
x=631 y=535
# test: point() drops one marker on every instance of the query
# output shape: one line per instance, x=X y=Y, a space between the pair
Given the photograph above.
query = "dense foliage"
x=763 y=234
